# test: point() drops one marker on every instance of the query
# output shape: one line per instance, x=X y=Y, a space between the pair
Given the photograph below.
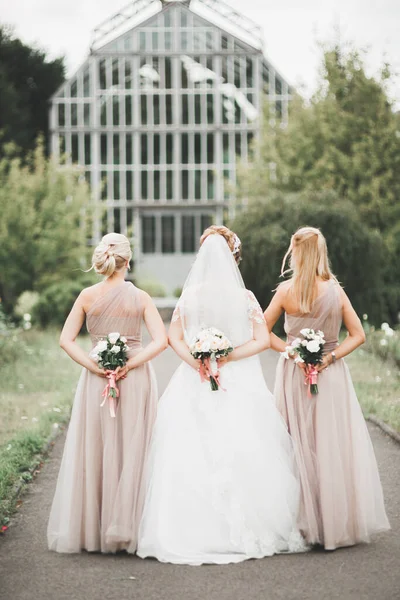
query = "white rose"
x=304 y=343
x=101 y=346
x=215 y=343
x=298 y=359
x=205 y=346
x=115 y=349
x=126 y=348
x=313 y=346
x=113 y=337
x=321 y=333
x=305 y=332
x=123 y=339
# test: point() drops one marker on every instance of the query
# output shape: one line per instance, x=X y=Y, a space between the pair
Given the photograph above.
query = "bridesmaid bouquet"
x=209 y=345
x=111 y=353
x=309 y=351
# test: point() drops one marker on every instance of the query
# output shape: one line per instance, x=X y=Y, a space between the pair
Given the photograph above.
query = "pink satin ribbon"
x=111 y=385
x=311 y=378
x=206 y=373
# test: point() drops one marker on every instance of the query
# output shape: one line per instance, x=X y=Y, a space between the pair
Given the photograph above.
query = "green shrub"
x=177 y=293
x=384 y=342
x=11 y=344
x=56 y=301
x=153 y=288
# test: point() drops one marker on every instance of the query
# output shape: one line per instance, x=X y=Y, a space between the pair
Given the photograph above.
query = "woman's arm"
x=355 y=337
x=70 y=332
x=177 y=342
x=260 y=342
x=159 y=340
x=271 y=315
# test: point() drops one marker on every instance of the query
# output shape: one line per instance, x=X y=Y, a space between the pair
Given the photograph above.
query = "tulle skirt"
x=99 y=495
x=220 y=481
x=341 y=494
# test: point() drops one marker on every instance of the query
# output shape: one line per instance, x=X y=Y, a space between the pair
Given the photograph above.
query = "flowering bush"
x=385 y=342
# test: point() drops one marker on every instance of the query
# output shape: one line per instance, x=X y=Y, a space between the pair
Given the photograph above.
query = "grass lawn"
x=377 y=383
x=35 y=399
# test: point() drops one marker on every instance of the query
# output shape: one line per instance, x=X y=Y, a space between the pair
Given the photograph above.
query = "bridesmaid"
x=99 y=496
x=342 y=501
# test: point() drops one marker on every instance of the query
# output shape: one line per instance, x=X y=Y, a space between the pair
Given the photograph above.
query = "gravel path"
x=29 y=572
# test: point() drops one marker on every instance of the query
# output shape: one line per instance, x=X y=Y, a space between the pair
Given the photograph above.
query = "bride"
x=220 y=485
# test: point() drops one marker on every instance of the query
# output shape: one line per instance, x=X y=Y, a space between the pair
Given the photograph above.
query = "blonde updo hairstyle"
x=234 y=244
x=308 y=260
x=111 y=255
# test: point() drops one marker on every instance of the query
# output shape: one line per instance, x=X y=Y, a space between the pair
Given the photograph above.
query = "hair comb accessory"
x=237 y=245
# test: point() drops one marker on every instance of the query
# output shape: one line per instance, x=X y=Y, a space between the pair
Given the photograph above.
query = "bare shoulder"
x=89 y=295
x=282 y=290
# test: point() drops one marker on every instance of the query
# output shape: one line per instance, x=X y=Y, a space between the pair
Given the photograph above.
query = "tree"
x=356 y=252
x=27 y=81
x=42 y=240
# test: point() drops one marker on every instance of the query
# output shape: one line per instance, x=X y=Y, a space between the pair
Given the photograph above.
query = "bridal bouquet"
x=209 y=345
x=109 y=354
x=309 y=351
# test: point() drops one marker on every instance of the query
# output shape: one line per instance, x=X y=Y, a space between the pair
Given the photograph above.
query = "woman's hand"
x=195 y=363
x=326 y=361
x=96 y=370
x=121 y=372
x=221 y=362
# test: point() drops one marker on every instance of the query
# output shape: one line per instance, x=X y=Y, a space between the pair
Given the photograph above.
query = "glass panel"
x=238 y=144
x=154 y=37
x=184 y=40
x=185 y=109
x=170 y=148
x=278 y=86
x=103 y=112
x=185 y=185
x=117 y=220
x=143 y=149
x=168 y=109
x=102 y=74
x=116 y=149
x=157 y=181
x=129 y=222
x=142 y=40
x=184 y=78
x=116 y=110
x=188 y=242
x=128 y=110
x=236 y=70
x=88 y=153
x=249 y=72
x=86 y=83
x=225 y=148
x=103 y=149
x=74 y=88
x=104 y=185
x=224 y=42
x=144 y=186
x=143 y=109
x=210 y=185
x=61 y=115
x=167 y=19
x=210 y=148
x=210 y=108
x=197 y=185
x=167 y=234
x=168 y=40
x=206 y=221
x=156 y=109
x=184 y=18
x=61 y=144
x=129 y=185
x=210 y=40
x=197 y=109
x=156 y=149
x=185 y=149
x=86 y=114
x=74 y=115
x=148 y=235
x=197 y=148
x=74 y=148
x=170 y=186
x=128 y=149
x=250 y=149
x=168 y=73
x=117 y=194
x=128 y=76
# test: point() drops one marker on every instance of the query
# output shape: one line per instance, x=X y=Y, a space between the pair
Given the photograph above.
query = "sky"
x=292 y=30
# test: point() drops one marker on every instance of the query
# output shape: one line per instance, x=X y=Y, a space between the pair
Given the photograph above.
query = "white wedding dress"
x=220 y=480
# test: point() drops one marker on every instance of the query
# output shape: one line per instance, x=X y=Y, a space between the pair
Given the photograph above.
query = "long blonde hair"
x=308 y=259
